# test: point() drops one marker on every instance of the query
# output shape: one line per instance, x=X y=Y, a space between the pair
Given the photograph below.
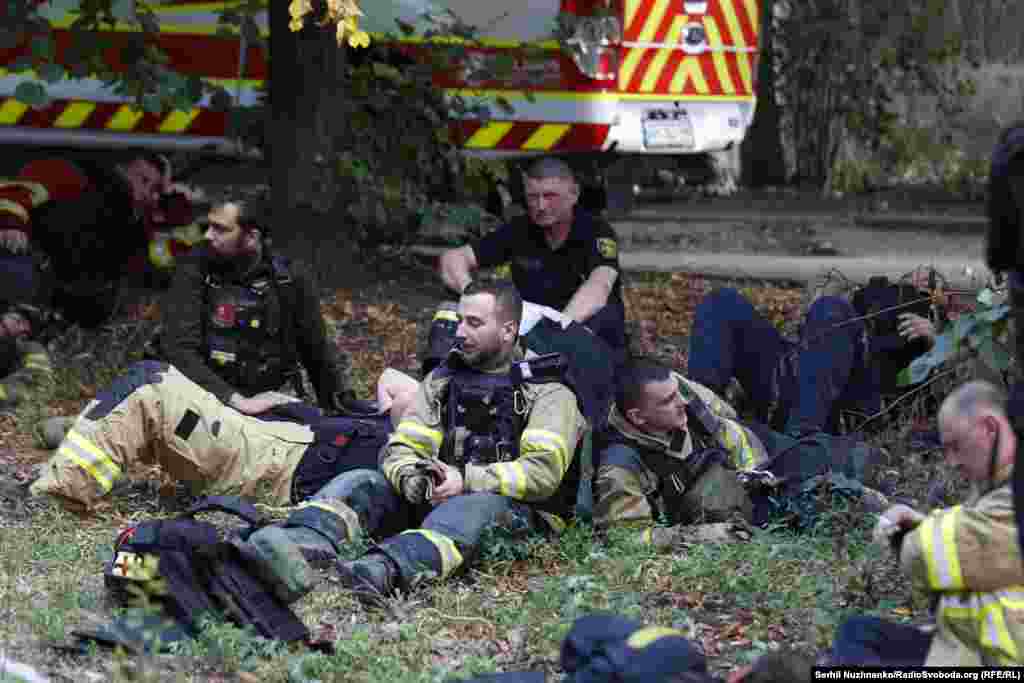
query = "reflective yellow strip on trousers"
x=86 y=455
x=451 y=558
x=347 y=514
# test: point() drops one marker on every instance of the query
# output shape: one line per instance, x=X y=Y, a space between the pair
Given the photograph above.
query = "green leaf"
x=504 y=105
x=152 y=103
x=31 y=93
x=51 y=73
x=994 y=355
x=994 y=314
x=386 y=72
x=42 y=48
x=21 y=64
x=406 y=28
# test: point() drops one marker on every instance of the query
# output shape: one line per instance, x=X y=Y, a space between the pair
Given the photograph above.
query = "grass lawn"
x=510 y=611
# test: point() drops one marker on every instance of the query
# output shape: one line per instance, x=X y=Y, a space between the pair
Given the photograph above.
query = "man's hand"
x=260 y=403
x=894 y=520
x=451 y=485
x=913 y=326
x=457 y=266
x=14 y=241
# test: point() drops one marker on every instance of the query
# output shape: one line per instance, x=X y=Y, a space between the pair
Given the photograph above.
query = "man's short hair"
x=633 y=379
x=253 y=214
x=158 y=161
x=971 y=398
x=549 y=167
x=508 y=304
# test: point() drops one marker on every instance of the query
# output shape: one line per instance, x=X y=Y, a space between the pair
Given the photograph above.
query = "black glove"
x=417 y=488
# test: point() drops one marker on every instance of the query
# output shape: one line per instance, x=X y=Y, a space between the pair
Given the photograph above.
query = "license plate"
x=668 y=128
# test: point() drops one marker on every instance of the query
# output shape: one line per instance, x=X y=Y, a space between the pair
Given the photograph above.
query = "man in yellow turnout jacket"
x=674 y=451
x=967 y=555
x=488 y=442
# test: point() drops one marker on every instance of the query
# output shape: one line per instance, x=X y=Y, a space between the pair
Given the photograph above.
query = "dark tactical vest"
x=677 y=477
x=491 y=411
x=247 y=331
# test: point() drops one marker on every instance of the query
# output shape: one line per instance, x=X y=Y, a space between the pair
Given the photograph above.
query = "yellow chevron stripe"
x=717 y=57
x=633 y=57
x=12 y=111
x=743 y=62
x=657 y=65
x=632 y=6
x=734 y=24
x=125 y=118
x=547 y=136
x=689 y=69
x=489 y=134
x=753 y=14
x=177 y=121
x=653 y=21
x=74 y=115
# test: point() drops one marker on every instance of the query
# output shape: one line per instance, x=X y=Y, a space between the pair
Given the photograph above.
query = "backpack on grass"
x=191 y=569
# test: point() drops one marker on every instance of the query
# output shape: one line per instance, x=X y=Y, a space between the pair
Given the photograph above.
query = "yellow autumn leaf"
x=359 y=39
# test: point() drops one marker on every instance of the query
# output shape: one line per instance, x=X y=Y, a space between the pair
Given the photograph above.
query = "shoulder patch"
x=607 y=247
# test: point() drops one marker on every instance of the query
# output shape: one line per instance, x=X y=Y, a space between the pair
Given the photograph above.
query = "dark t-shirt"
x=548 y=276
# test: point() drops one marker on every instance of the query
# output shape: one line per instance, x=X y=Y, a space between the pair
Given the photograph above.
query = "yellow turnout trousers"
x=154 y=414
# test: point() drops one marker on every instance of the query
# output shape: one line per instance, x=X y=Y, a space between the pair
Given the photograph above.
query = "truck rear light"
x=593 y=44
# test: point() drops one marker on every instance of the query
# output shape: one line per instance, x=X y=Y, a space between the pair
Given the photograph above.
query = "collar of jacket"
x=662 y=444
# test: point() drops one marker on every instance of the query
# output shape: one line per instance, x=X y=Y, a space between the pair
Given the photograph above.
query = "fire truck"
x=607 y=80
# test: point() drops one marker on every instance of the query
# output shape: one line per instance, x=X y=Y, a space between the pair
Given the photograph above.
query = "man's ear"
x=252 y=237
x=574 y=191
x=634 y=416
x=509 y=330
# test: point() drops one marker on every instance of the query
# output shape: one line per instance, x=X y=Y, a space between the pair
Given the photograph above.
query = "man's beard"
x=485 y=359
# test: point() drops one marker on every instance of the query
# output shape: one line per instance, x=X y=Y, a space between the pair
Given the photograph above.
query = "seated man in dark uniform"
x=561 y=256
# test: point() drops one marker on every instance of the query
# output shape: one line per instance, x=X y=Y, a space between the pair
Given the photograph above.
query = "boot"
x=372 y=579
x=52 y=430
x=279 y=561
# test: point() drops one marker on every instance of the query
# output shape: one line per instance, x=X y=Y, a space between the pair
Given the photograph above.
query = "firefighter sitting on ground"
x=967 y=556
x=91 y=222
x=24 y=363
x=239 y=318
x=672 y=450
x=561 y=256
x=517 y=465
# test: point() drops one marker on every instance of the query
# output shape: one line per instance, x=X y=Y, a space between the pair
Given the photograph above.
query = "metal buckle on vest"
x=503 y=450
x=519 y=406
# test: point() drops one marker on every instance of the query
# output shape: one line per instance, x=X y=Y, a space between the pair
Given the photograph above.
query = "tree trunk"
x=307 y=84
x=307 y=81
x=763 y=160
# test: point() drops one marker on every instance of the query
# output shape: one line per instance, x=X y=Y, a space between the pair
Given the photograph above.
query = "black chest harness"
x=247 y=331
x=677 y=476
x=492 y=411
